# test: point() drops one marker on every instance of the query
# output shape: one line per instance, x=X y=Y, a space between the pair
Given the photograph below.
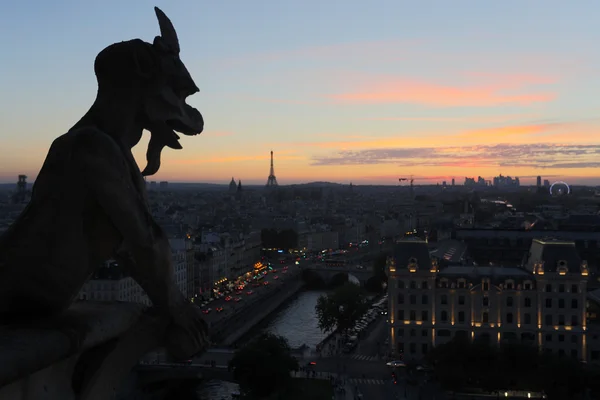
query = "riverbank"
x=253 y=316
x=264 y=323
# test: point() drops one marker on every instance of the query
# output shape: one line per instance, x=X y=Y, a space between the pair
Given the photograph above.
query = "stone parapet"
x=70 y=356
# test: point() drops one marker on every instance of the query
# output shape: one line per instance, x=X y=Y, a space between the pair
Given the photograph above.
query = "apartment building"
x=542 y=303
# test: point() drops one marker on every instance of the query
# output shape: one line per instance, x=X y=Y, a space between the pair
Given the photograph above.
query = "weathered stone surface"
x=27 y=348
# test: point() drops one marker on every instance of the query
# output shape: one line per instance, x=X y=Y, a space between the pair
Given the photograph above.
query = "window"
x=401 y=315
x=486 y=286
x=527 y=286
x=425 y=299
x=574 y=339
x=485 y=318
x=527 y=302
x=444 y=316
x=509 y=286
x=561 y=338
x=548 y=288
x=401 y=285
x=424 y=316
x=574 y=353
x=509 y=301
x=413 y=333
x=548 y=337
x=527 y=319
x=548 y=303
x=444 y=299
x=561 y=288
x=424 y=348
x=424 y=333
x=509 y=318
x=413 y=299
x=561 y=303
x=561 y=319
x=574 y=320
x=424 y=285
x=413 y=284
x=461 y=316
x=486 y=302
x=461 y=300
x=400 y=299
x=413 y=315
x=400 y=332
x=461 y=284
x=574 y=289
x=413 y=348
x=574 y=303
x=548 y=319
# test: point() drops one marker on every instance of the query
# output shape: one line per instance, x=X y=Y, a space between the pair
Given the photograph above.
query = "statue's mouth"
x=189 y=123
x=184 y=119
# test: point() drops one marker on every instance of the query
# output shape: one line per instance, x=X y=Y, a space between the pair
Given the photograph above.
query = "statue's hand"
x=188 y=334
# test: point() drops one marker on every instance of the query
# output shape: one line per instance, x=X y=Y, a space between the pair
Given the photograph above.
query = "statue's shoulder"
x=88 y=141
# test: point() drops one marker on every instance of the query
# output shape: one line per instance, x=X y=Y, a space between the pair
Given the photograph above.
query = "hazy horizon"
x=340 y=91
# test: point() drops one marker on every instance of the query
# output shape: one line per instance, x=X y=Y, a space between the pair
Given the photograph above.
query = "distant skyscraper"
x=539 y=181
x=452 y=181
x=546 y=183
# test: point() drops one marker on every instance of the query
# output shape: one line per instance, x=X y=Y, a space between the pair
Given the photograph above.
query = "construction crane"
x=411 y=180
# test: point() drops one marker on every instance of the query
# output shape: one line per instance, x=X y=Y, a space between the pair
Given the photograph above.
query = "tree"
x=263 y=366
x=341 y=309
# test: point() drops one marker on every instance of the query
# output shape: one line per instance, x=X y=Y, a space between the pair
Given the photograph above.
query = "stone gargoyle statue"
x=89 y=201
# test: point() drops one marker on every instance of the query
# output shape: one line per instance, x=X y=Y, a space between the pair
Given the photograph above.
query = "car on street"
x=206 y=310
x=396 y=363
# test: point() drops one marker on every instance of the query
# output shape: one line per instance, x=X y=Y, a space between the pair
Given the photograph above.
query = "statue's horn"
x=167 y=31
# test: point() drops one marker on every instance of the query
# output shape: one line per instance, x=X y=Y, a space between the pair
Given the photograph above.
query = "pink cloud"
x=495 y=90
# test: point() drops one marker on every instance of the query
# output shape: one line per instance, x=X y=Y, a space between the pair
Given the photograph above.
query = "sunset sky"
x=343 y=91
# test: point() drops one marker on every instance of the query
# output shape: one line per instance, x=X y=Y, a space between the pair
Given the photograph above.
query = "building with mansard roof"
x=542 y=303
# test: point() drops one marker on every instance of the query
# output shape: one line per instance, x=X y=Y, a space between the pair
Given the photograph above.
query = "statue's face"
x=163 y=100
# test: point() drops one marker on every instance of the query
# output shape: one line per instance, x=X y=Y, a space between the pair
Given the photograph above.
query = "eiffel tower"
x=271 y=180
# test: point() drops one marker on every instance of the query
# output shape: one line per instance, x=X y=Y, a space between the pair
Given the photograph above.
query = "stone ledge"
x=29 y=347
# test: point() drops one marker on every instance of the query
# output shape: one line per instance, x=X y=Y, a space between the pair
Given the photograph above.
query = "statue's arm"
x=109 y=179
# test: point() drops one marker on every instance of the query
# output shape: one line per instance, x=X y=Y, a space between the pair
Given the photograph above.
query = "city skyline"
x=341 y=92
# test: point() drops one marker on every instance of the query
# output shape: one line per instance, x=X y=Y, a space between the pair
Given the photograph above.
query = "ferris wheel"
x=559 y=188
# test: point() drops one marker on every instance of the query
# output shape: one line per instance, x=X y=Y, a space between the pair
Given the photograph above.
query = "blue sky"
x=340 y=90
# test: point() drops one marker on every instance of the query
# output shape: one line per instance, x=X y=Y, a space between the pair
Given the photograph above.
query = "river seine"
x=296 y=321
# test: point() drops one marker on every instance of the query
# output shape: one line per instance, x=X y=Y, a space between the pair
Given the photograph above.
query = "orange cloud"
x=470 y=119
x=232 y=159
x=394 y=90
x=557 y=132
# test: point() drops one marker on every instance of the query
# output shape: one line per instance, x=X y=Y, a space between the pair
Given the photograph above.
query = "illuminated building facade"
x=542 y=303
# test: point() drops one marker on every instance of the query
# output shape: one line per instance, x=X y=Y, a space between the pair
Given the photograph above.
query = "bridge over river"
x=329 y=273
